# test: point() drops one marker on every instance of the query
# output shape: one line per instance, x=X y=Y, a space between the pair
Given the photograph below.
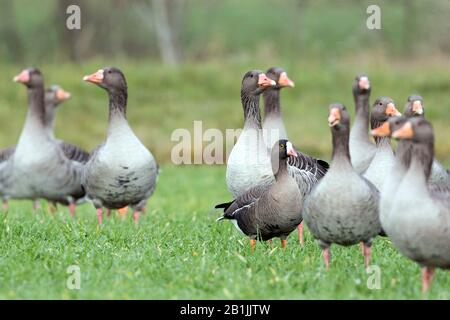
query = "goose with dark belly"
x=362 y=149
x=249 y=162
x=122 y=171
x=343 y=207
x=415 y=108
x=384 y=158
x=268 y=211
x=38 y=167
x=419 y=221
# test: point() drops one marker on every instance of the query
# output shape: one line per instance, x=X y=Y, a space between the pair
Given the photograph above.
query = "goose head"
x=361 y=85
x=382 y=109
x=414 y=106
x=30 y=77
x=281 y=151
x=338 y=117
x=280 y=77
x=55 y=95
x=108 y=78
x=416 y=129
x=255 y=82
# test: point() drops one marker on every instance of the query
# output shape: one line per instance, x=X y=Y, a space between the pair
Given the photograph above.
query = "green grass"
x=179 y=252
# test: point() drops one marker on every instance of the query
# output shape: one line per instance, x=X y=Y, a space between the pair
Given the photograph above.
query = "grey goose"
x=419 y=220
x=415 y=108
x=38 y=167
x=120 y=172
x=54 y=96
x=362 y=149
x=267 y=211
x=249 y=163
x=384 y=158
x=342 y=208
x=273 y=125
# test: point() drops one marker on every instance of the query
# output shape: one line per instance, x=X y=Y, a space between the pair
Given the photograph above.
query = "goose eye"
x=282 y=146
x=109 y=71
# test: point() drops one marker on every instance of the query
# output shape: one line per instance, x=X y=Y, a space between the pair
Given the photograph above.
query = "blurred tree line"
x=174 y=31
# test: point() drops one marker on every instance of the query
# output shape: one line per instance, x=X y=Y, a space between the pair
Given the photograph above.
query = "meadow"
x=179 y=251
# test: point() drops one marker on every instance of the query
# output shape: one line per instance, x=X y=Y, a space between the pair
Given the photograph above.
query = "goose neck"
x=252 y=115
x=36 y=107
x=271 y=102
x=341 y=153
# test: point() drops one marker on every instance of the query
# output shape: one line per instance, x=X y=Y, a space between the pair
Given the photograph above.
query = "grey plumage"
x=38 y=168
x=342 y=208
x=121 y=171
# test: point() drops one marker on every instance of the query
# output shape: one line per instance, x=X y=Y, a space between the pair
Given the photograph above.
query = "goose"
x=122 y=171
x=384 y=158
x=38 y=168
x=415 y=108
x=419 y=221
x=249 y=162
x=54 y=96
x=342 y=208
x=362 y=149
x=268 y=211
x=273 y=125
x=398 y=170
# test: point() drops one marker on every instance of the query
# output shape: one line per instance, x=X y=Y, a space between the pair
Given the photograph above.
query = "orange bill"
x=284 y=81
x=334 y=117
x=265 y=81
x=62 y=95
x=405 y=132
x=364 y=83
x=382 y=131
x=391 y=110
x=417 y=107
x=96 y=77
x=22 y=77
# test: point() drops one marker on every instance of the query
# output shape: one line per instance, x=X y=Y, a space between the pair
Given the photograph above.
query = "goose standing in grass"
x=415 y=108
x=120 y=172
x=38 y=167
x=384 y=158
x=54 y=96
x=419 y=221
x=268 y=211
x=249 y=162
x=402 y=160
x=362 y=149
x=343 y=207
x=273 y=125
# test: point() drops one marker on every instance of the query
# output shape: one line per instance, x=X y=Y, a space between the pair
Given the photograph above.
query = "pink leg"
x=136 y=217
x=300 y=234
x=367 y=252
x=36 y=205
x=427 y=276
x=326 y=257
x=72 y=207
x=108 y=213
x=100 y=216
x=5 y=205
x=283 y=243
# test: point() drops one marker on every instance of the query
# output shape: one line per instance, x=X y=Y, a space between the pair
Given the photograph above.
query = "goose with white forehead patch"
x=122 y=171
x=268 y=211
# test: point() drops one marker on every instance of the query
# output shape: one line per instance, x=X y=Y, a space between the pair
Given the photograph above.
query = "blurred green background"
x=184 y=61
